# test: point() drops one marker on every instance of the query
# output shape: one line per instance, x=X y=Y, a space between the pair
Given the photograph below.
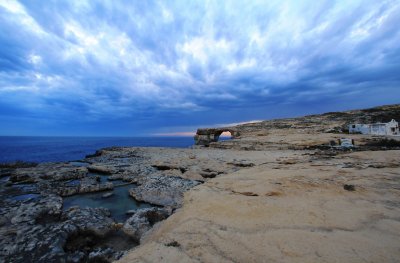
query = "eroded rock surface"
x=142 y=221
x=303 y=201
x=279 y=192
x=162 y=190
x=38 y=231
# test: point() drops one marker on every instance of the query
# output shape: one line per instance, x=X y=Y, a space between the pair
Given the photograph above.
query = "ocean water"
x=62 y=149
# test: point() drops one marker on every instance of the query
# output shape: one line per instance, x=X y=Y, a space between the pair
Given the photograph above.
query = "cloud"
x=188 y=62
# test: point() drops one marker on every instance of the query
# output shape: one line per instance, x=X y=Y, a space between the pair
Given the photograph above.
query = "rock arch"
x=206 y=136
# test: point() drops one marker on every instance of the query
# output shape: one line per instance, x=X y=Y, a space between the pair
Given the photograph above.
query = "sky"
x=136 y=68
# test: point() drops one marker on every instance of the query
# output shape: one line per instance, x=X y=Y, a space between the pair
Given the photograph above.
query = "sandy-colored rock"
x=297 y=213
x=292 y=198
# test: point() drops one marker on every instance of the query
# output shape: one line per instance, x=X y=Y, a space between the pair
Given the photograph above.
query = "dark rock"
x=166 y=166
x=18 y=164
x=349 y=187
x=100 y=169
x=241 y=164
x=130 y=212
x=173 y=244
x=96 y=154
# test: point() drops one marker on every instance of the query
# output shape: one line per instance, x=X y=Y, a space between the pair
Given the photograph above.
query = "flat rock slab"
x=287 y=212
x=100 y=169
x=162 y=190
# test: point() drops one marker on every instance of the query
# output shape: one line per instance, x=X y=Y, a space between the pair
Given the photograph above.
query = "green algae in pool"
x=118 y=204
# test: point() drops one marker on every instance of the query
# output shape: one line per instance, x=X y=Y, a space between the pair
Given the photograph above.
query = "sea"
x=64 y=149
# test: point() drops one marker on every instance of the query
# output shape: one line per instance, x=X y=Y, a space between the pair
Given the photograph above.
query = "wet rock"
x=143 y=220
x=100 y=169
x=162 y=190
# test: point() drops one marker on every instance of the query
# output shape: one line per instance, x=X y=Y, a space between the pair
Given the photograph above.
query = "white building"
x=390 y=128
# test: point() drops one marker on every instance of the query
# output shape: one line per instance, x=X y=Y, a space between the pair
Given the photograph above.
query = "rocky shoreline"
x=35 y=226
x=279 y=191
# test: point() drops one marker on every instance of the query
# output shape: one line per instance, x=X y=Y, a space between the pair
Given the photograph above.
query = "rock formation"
x=280 y=190
x=206 y=136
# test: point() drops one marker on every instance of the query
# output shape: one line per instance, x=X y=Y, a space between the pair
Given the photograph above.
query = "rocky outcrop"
x=48 y=171
x=143 y=220
x=85 y=188
x=206 y=136
x=100 y=169
x=162 y=190
x=31 y=212
x=39 y=232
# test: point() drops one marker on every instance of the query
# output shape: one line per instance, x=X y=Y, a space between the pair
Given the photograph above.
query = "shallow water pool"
x=118 y=203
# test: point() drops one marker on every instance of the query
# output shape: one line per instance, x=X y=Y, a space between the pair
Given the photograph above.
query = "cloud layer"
x=139 y=67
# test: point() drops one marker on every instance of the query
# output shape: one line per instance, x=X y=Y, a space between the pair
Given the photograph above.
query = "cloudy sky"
x=152 y=67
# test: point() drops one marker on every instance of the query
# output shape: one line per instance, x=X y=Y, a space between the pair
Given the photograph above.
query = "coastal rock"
x=164 y=166
x=38 y=231
x=206 y=136
x=129 y=177
x=162 y=190
x=100 y=169
x=31 y=212
x=85 y=188
x=95 y=188
x=94 y=220
x=143 y=220
x=104 y=255
x=48 y=171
